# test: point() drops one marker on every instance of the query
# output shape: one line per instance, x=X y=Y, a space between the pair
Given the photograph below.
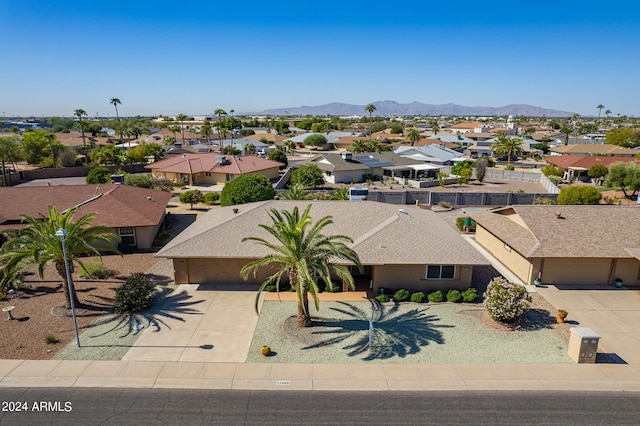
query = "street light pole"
x=62 y=233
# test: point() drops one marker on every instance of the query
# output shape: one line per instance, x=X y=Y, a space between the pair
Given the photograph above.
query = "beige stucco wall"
x=146 y=234
x=628 y=270
x=510 y=258
x=214 y=179
x=413 y=278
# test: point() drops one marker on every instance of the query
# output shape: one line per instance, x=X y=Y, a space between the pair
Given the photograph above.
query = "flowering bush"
x=506 y=301
x=135 y=295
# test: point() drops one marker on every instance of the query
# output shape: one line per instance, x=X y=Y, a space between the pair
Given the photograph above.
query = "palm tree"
x=175 y=129
x=295 y=192
x=414 y=136
x=115 y=102
x=373 y=146
x=434 y=126
x=370 y=108
x=37 y=244
x=607 y=113
x=567 y=131
x=600 y=106
x=220 y=112
x=79 y=113
x=507 y=145
x=205 y=129
x=181 y=118
x=358 y=145
x=304 y=254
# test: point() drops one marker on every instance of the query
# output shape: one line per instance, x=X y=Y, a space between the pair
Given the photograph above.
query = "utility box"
x=583 y=345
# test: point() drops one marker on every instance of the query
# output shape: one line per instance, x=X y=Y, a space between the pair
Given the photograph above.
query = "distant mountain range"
x=417 y=108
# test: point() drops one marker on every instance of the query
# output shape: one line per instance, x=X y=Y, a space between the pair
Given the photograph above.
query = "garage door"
x=582 y=271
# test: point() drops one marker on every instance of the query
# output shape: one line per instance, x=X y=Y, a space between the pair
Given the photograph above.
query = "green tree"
x=544 y=147
x=279 y=156
x=434 y=126
x=139 y=180
x=552 y=170
x=181 y=118
x=315 y=140
x=481 y=165
x=9 y=153
x=607 y=113
x=370 y=108
x=250 y=149
x=566 y=130
x=597 y=172
x=220 y=112
x=414 y=136
x=110 y=154
x=37 y=244
x=308 y=175
x=98 y=175
x=340 y=193
x=247 y=189
x=205 y=130
x=600 y=107
x=505 y=145
x=579 y=195
x=191 y=197
x=79 y=113
x=38 y=144
x=397 y=128
x=625 y=176
x=175 y=129
x=154 y=150
x=137 y=154
x=115 y=102
x=625 y=137
x=304 y=255
x=373 y=145
x=358 y=145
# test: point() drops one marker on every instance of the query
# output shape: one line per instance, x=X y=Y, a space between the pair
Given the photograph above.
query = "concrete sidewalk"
x=323 y=377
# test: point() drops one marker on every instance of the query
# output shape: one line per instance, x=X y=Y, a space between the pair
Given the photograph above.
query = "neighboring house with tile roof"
x=593 y=149
x=135 y=214
x=408 y=248
x=212 y=168
x=465 y=127
x=577 y=167
x=577 y=245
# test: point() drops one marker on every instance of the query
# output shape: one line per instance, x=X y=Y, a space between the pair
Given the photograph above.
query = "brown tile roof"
x=467 y=125
x=206 y=162
x=114 y=205
x=587 y=148
x=382 y=233
x=565 y=161
x=581 y=232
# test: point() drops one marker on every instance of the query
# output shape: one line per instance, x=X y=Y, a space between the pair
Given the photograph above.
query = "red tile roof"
x=206 y=162
x=115 y=205
x=567 y=160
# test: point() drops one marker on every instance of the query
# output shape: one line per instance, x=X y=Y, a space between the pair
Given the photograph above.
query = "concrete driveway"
x=612 y=313
x=200 y=323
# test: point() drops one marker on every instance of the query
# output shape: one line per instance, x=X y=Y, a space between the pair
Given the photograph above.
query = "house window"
x=327 y=173
x=207 y=174
x=229 y=177
x=440 y=272
x=127 y=235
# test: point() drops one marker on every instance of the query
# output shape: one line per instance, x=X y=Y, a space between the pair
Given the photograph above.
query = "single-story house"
x=580 y=245
x=135 y=214
x=408 y=248
x=433 y=154
x=598 y=148
x=577 y=167
x=212 y=168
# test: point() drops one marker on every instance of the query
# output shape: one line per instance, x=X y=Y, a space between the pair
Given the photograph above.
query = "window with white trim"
x=441 y=272
x=127 y=235
x=229 y=177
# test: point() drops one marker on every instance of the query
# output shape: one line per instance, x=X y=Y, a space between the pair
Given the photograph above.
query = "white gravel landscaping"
x=429 y=333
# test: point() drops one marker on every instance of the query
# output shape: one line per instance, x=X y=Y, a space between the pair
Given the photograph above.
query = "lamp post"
x=62 y=233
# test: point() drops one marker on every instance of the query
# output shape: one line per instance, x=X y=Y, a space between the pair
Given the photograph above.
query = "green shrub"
x=579 y=195
x=98 y=175
x=141 y=181
x=418 y=297
x=556 y=180
x=161 y=238
x=382 y=298
x=191 y=197
x=506 y=301
x=271 y=288
x=454 y=296
x=211 y=198
x=509 y=167
x=401 y=295
x=247 y=188
x=470 y=295
x=460 y=222
x=308 y=175
x=51 y=339
x=94 y=271
x=135 y=295
x=162 y=184
x=435 y=297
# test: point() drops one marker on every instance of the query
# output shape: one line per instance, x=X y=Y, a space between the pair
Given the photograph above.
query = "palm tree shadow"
x=394 y=334
x=166 y=306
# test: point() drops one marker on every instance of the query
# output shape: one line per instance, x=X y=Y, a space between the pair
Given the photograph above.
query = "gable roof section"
x=206 y=162
x=581 y=232
x=114 y=205
x=596 y=148
x=382 y=234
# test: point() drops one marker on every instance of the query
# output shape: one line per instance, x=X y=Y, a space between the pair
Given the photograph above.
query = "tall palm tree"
x=181 y=118
x=303 y=253
x=358 y=145
x=507 y=145
x=115 y=102
x=607 y=113
x=175 y=129
x=220 y=112
x=414 y=136
x=205 y=129
x=600 y=106
x=79 y=113
x=566 y=129
x=370 y=108
x=434 y=126
x=37 y=244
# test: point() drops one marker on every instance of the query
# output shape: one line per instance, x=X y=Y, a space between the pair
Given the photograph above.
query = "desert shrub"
x=191 y=197
x=382 y=298
x=556 y=180
x=401 y=295
x=544 y=201
x=454 y=296
x=94 y=271
x=506 y=301
x=211 y=197
x=135 y=295
x=67 y=157
x=141 y=181
x=98 y=175
x=470 y=295
x=435 y=297
x=444 y=204
x=162 y=184
x=579 y=195
x=418 y=297
x=551 y=170
x=509 y=167
x=51 y=339
x=481 y=168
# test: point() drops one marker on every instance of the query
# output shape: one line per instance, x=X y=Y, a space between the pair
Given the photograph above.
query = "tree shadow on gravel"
x=166 y=307
x=395 y=333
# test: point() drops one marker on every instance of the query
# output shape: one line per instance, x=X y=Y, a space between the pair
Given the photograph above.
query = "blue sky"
x=193 y=57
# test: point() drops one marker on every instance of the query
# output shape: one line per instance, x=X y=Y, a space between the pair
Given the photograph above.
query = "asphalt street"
x=176 y=406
